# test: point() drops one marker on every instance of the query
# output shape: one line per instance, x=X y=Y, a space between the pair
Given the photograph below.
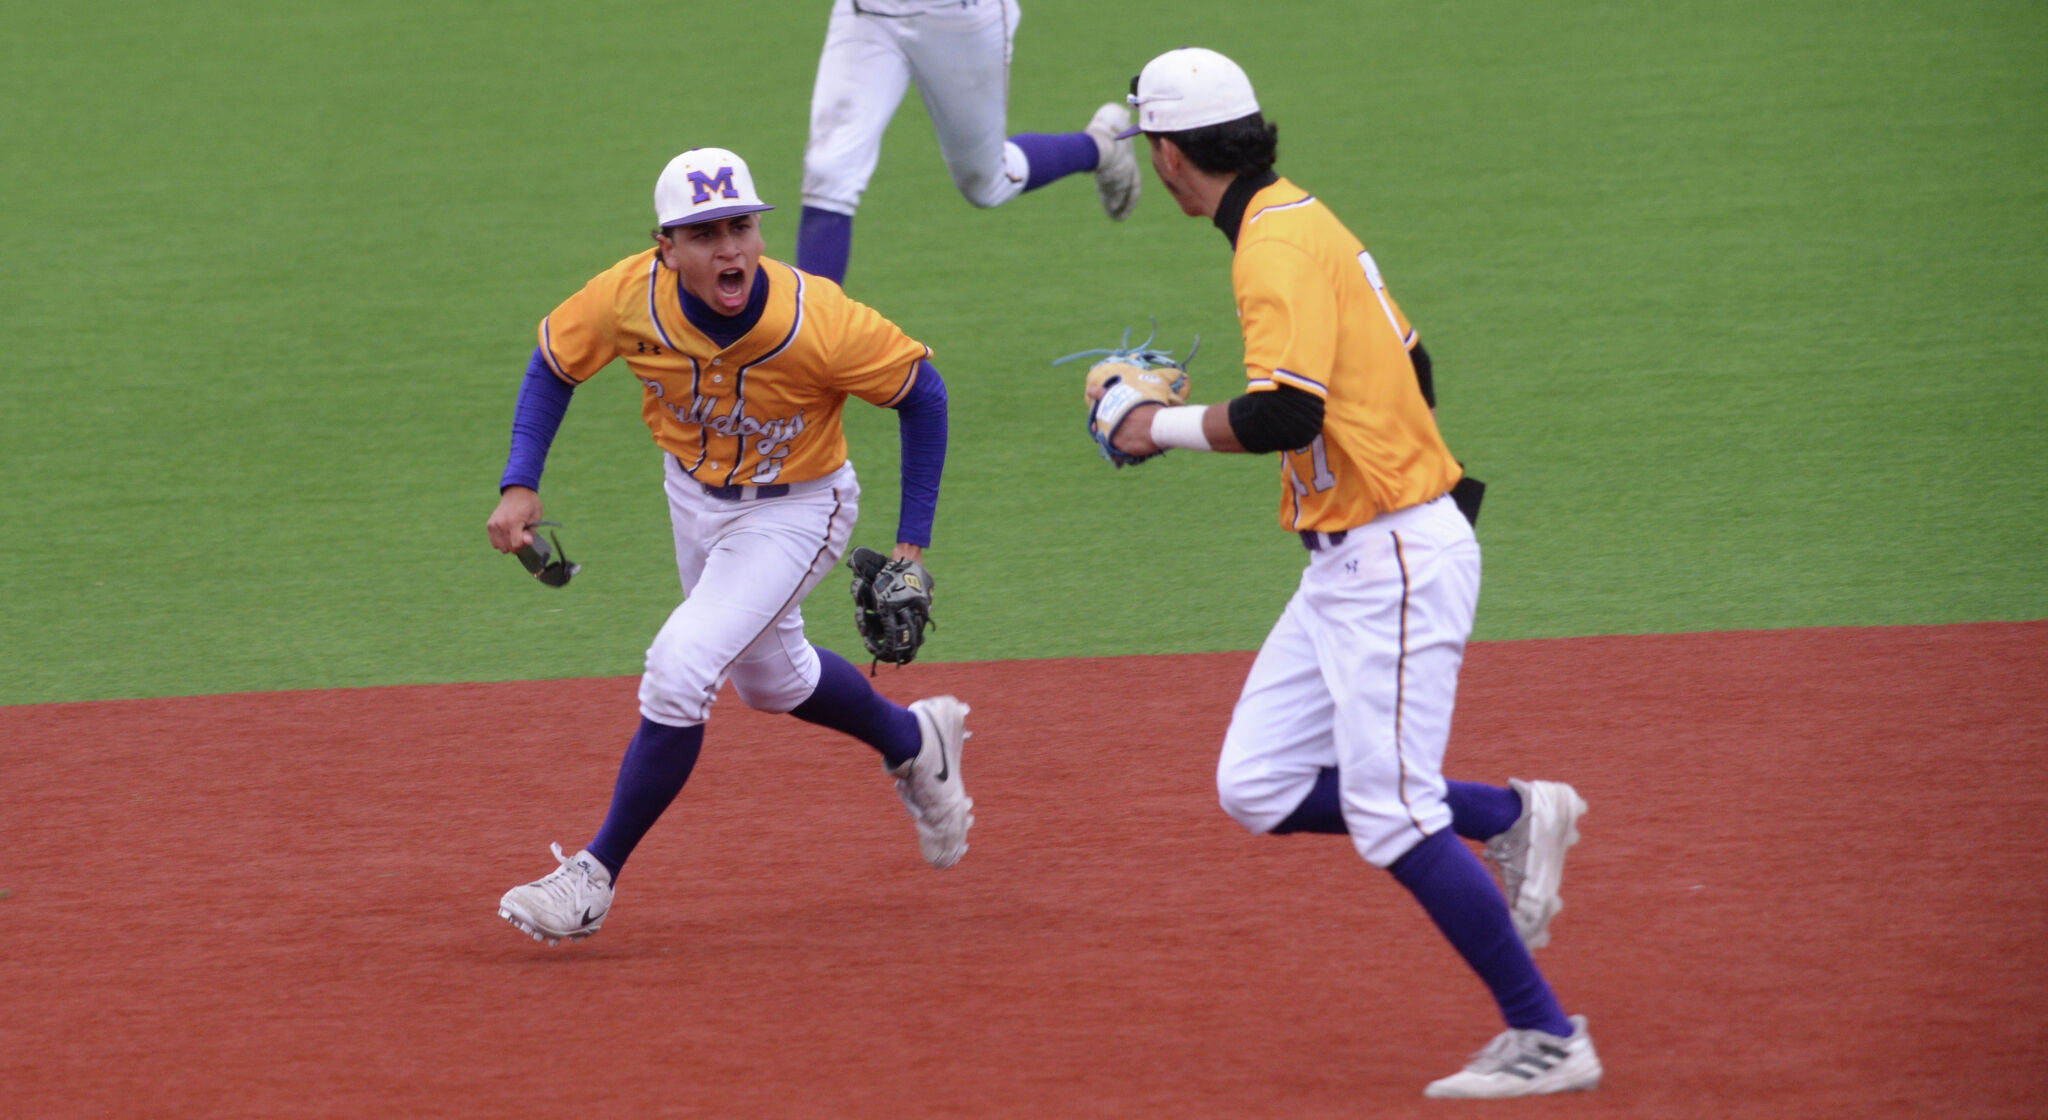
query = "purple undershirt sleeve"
x=543 y=401
x=921 y=419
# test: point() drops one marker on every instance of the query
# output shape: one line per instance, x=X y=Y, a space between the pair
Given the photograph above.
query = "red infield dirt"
x=1810 y=885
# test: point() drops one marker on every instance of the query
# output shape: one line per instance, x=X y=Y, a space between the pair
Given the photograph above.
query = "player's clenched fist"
x=511 y=524
x=1121 y=392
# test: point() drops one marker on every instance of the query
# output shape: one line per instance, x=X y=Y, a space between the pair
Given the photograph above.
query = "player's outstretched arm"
x=1256 y=423
x=1152 y=428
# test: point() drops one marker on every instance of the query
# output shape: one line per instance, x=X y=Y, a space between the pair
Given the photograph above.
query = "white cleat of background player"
x=1117 y=178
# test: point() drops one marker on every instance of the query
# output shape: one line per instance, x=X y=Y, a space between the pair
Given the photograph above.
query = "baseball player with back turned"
x=958 y=54
x=1342 y=723
x=745 y=364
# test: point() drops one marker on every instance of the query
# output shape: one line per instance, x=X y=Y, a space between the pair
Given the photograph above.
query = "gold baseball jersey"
x=765 y=409
x=1317 y=317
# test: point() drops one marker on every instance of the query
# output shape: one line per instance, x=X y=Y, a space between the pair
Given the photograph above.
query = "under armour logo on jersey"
x=707 y=183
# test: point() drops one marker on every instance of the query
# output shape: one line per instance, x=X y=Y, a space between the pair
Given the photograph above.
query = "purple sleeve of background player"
x=543 y=401
x=921 y=419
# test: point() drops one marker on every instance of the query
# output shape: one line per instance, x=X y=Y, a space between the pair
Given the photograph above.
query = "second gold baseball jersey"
x=1317 y=317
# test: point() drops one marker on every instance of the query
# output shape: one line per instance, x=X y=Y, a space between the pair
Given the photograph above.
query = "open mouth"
x=729 y=282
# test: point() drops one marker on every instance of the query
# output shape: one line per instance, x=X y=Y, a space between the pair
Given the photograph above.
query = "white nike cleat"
x=1116 y=168
x=1525 y=1064
x=930 y=784
x=571 y=902
x=1530 y=855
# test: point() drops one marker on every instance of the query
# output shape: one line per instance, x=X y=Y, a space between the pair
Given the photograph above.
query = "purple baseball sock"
x=1447 y=879
x=824 y=243
x=658 y=761
x=1055 y=155
x=1320 y=811
x=845 y=701
x=1480 y=811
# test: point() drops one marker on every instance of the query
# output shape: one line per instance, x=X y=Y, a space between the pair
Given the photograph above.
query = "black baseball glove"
x=892 y=604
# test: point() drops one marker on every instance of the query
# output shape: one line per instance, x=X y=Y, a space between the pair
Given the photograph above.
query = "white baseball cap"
x=703 y=185
x=1189 y=87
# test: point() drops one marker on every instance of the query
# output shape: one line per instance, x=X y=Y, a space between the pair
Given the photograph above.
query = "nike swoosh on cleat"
x=588 y=917
x=945 y=766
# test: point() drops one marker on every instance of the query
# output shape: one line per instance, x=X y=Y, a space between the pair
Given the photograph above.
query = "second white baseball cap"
x=703 y=185
x=1190 y=87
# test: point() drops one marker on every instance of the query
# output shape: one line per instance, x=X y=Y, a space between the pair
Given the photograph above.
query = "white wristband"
x=1180 y=426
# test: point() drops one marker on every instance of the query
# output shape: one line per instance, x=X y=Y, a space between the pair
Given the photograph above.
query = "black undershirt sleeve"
x=1423 y=376
x=1280 y=420
x=1287 y=418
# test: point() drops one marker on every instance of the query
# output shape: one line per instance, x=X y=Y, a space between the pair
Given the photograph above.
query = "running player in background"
x=958 y=54
x=1342 y=723
x=745 y=365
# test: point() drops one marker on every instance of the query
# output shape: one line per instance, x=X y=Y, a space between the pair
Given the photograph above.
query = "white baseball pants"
x=959 y=56
x=1361 y=673
x=746 y=565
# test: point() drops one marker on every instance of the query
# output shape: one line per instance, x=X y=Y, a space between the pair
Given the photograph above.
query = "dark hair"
x=1247 y=144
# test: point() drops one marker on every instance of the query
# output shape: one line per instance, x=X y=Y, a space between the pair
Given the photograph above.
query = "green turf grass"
x=1735 y=307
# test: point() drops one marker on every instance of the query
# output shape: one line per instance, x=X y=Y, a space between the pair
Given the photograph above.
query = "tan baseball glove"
x=1126 y=377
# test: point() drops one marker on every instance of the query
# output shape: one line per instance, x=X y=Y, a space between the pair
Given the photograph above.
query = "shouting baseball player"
x=745 y=364
x=958 y=53
x=1342 y=723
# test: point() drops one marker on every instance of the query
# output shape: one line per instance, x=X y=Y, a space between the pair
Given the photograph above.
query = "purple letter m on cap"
x=708 y=183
